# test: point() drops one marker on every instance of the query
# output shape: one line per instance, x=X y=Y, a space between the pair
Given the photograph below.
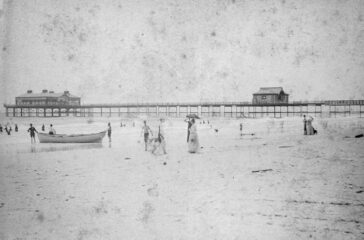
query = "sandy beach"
x=311 y=187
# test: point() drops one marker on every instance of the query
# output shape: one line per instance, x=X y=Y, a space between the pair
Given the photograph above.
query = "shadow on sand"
x=37 y=148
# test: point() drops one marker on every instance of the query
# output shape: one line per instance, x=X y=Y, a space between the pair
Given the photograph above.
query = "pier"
x=208 y=109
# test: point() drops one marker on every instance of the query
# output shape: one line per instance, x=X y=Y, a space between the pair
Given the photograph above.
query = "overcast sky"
x=182 y=51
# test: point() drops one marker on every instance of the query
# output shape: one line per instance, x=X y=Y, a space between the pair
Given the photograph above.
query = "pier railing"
x=205 y=109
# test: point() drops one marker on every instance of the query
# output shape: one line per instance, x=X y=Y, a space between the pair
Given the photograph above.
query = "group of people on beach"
x=32 y=130
x=8 y=129
x=159 y=141
x=308 y=129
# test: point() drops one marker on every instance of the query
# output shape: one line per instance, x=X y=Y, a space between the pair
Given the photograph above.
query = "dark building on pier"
x=270 y=95
x=46 y=98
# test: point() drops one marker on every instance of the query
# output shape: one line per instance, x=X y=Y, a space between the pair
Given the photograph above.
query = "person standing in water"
x=146 y=130
x=51 y=130
x=109 y=131
x=32 y=132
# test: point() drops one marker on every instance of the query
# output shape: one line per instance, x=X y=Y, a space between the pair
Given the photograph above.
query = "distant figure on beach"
x=43 y=128
x=51 y=130
x=133 y=124
x=309 y=126
x=16 y=128
x=121 y=124
x=8 y=129
x=193 y=144
x=32 y=132
x=146 y=130
x=161 y=137
x=304 y=125
x=109 y=131
x=1 y=128
x=241 y=129
x=188 y=128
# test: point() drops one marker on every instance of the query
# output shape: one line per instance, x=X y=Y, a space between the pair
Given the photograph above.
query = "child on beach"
x=146 y=130
x=32 y=132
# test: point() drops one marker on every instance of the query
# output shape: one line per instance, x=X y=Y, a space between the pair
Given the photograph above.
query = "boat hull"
x=76 y=138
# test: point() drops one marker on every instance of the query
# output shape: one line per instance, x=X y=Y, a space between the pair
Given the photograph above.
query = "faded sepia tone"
x=172 y=119
x=104 y=51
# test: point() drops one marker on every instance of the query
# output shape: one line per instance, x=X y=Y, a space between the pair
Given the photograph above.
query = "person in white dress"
x=193 y=143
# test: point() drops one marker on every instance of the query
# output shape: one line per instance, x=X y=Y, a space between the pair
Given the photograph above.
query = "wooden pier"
x=214 y=109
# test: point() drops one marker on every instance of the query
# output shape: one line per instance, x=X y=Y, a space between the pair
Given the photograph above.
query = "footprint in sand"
x=146 y=212
x=40 y=217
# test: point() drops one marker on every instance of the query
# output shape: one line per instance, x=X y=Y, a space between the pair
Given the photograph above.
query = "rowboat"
x=74 y=138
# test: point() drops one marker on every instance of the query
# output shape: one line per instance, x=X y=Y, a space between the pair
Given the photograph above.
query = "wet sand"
x=274 y=184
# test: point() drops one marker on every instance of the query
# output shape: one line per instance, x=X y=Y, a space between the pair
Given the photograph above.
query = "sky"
x=118 y=51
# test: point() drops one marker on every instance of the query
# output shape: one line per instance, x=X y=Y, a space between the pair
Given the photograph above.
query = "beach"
x=270 y=183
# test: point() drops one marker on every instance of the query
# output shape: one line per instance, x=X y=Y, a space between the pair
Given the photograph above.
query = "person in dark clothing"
x=1 y=128
x=7 y=130
x=32 y=132
x=304 y=125
x=43 y=128
x=241 y=129
x=189 y=124
x=16 y=128
x=109 y=131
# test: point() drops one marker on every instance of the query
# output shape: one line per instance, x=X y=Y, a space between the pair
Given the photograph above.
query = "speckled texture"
x=128 y=51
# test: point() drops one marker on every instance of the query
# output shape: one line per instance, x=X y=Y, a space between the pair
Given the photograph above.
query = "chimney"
x=44 y=91
x=29 y=91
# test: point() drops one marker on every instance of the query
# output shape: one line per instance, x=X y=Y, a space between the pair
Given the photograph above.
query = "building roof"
x=47 y=94
x=270 y=90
